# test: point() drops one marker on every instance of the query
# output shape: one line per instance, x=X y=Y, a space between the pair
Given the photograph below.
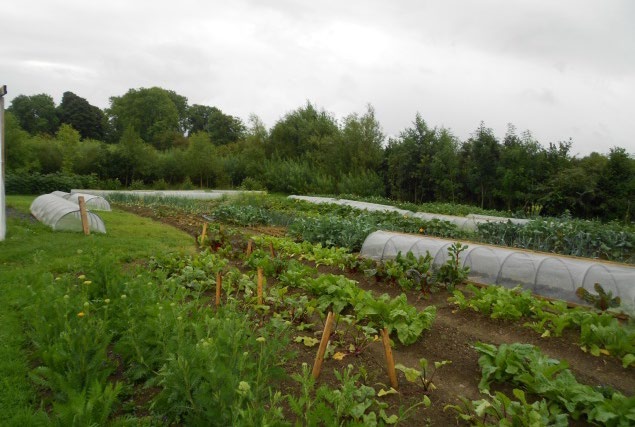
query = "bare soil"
x=451 y=338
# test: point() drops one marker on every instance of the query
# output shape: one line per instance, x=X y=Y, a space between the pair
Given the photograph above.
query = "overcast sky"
x=559 y=68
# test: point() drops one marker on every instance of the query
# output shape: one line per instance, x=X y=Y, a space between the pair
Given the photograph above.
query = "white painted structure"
x=3 y=206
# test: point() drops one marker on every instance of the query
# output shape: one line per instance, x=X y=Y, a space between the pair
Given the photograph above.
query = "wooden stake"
x=219 y=284
x=273 y=252
x=249 y=248
x=260 y=280
x=84 y=215
x=390 y=362
x=319 y=358
x=204 y=234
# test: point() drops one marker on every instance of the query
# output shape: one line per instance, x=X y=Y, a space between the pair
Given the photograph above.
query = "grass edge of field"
x=32 y=250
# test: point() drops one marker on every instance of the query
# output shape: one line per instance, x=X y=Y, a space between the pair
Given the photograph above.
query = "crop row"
x=600 y=333
x=343 y=226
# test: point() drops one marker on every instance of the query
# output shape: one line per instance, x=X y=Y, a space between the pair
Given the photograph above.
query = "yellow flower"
x=339 y=355
x=81 y=314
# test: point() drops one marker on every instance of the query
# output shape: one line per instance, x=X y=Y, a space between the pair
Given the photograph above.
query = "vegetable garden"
x=229 y=335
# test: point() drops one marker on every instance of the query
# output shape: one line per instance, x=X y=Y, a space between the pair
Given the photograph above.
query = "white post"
x=3 y=210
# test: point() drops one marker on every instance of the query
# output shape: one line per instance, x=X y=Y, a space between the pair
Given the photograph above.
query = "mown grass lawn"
x=32 y=253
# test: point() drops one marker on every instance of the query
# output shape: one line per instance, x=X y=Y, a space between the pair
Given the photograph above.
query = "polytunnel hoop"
x=555 y=259
x=442 y=248
x=526 y=256
x=469 y=251
x=383 y=251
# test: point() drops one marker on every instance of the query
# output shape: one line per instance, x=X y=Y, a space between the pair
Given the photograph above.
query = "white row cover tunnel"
x=469 y=222
x=92 y=201
x=542 y=273
x=61 y=214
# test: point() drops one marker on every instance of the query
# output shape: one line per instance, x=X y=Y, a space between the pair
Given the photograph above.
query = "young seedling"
x=423 y=376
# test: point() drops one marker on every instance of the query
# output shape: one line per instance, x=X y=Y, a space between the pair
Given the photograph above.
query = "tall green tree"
x=202 y=160
x=444 y=167
x=197 y=118
x=569 y=190
x=362 y=142
x=223 y=128
x=36 y=114
x=88 y=119
x=152 y=112
x=134 y=158
x=518 y=169
x=481 y=153
x=21 y=154
x=68 y=140
x=409 y=160
x=91 y=158
x=49 y=152
x=182 y=109
x=301 y=132
x=617 y=185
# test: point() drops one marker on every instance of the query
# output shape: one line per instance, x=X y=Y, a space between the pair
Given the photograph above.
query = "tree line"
x=153 y=137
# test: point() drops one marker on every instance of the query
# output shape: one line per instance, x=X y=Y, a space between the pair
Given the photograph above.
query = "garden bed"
x=451 y=338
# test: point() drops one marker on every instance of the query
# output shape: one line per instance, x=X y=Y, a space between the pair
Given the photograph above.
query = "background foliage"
x=152 y=136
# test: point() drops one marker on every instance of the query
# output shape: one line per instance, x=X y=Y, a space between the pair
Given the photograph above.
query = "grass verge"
x=32 y=252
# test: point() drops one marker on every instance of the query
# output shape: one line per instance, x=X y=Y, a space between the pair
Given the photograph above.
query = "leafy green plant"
x=524 y=365
x=408 y=271
x=356 y=337
x=248 y=216
x=496 y=301
x=221 y=370
x=501 y=410
x=451 y=273
x=590 y=239
x=604 y=334
x=397 y=315
x=422 y=376
x=602 y=301
x=599 y=333
x=348 y=404
x=271 y=266
x=89 y=406
x=334 y=292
